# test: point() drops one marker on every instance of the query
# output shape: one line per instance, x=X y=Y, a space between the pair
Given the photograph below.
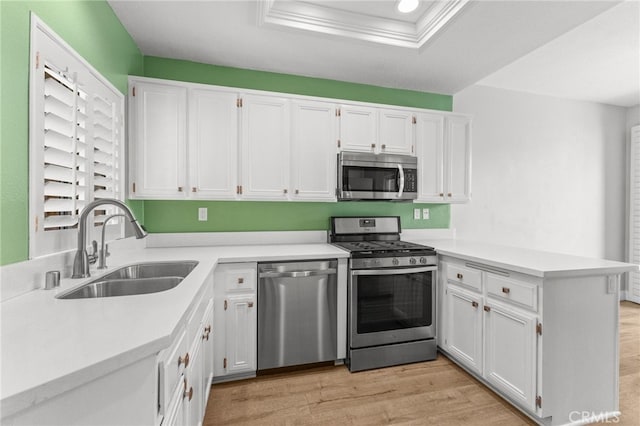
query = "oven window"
x=393 y=302
x=370 y=179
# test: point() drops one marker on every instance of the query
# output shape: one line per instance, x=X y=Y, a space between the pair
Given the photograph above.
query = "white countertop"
x=531 y=262
x=51 y=345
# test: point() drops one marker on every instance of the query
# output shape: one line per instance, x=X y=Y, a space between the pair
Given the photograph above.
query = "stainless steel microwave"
x=367 y=176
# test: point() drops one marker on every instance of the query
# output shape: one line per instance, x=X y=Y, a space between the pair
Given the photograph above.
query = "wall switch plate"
x=612 y=284
x=416 y=214
x=202 y=214
x=425 y=214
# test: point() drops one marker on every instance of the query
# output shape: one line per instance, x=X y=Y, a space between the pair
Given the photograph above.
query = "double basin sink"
x=141 y=278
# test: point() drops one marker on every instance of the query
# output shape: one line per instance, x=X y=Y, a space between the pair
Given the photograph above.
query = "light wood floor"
x=436 y=392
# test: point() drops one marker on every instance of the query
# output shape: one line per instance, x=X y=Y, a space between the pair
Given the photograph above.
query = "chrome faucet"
x=81 y=260
x=103 y=253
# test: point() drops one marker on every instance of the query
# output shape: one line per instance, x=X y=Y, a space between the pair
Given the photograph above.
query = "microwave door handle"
x=401 y=178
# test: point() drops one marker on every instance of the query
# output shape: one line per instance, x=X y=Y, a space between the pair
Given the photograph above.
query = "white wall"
x=548 y=173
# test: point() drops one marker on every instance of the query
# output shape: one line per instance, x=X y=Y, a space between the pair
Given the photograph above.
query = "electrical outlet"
x=425 y=214
x=202 y=214
x=612 y=284
x=416 y=214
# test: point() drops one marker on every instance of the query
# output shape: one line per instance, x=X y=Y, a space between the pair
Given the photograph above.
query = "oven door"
x=391 y=306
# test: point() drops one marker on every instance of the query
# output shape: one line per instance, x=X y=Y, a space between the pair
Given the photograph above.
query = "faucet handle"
x=93 y=256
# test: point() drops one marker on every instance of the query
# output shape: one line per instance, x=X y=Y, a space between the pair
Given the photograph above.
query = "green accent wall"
x=182 y=216
x=194 y=72
x=94 y=31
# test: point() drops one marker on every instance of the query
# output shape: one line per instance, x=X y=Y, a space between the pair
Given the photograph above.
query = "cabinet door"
x=358 y=128
x=207 y=354
x=177 y=413
x=241 y=333
x=213 y=154
x=313 y=149
x=430 y=151
x=463 y=329
x=265 y=147
x=458 y=159
x=194 y=398
x=396 y=131
x=510 y=352
x=158 y=143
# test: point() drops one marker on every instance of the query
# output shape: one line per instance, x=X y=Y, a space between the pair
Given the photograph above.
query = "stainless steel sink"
x=142 y=278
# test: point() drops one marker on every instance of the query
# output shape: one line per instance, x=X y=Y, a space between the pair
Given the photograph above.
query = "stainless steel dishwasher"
x=296 y=313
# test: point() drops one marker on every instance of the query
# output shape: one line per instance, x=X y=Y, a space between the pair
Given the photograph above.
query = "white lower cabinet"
x=510 y=352
x=532 y=338
x=235 y=321
x=464 y=327
x=184 y=369
x=487 y=329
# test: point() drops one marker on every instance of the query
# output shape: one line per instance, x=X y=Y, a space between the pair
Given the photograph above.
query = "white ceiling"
x=588 y=50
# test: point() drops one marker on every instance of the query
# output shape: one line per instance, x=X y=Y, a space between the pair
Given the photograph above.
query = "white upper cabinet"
x=183 y=141
x=396 y=131
x=313 y=150
x=458 y=159
x=265 y=147
x=197 y=141
x=160 y=134
x=444 y=157
x=213 y=140
x=377 y=130
x=430 y=136
x=358 y=128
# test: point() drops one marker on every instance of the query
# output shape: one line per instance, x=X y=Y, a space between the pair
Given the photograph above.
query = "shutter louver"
x=634 y=220
x=106 y=163
x=64 y=151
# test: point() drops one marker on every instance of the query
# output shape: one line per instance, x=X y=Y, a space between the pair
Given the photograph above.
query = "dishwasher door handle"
x=296 y=274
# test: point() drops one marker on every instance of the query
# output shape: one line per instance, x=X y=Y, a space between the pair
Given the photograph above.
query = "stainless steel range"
x=392 y=293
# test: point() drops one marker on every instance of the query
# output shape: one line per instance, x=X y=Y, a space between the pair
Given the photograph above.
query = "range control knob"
x=423 y=260
x=395 y=261
x=412 y=261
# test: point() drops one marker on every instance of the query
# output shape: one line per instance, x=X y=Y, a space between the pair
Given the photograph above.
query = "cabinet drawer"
x=239 y=278
x=515 y=291
x=195 y=319
x=464 y=276
x=172 y=367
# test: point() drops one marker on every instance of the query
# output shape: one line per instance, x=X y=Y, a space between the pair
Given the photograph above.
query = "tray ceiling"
x=442 y=47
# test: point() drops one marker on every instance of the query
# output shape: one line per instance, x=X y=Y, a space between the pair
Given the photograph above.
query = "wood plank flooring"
x=436 y=392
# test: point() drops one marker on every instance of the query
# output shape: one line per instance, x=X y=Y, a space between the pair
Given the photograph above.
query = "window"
x=76 y=145
x=633 y=291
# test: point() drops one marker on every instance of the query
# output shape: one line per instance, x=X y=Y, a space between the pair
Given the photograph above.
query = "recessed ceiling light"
x=406 y=6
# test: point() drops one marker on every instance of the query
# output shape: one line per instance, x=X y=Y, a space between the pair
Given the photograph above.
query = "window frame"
x=48 y=47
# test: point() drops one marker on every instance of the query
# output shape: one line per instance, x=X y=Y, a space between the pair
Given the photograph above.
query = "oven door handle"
x=393 y=271
x=401 y=179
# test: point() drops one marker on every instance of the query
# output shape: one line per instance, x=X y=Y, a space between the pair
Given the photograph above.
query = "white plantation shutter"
x=65 y=150
x=75 y=143
x=633 y=292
